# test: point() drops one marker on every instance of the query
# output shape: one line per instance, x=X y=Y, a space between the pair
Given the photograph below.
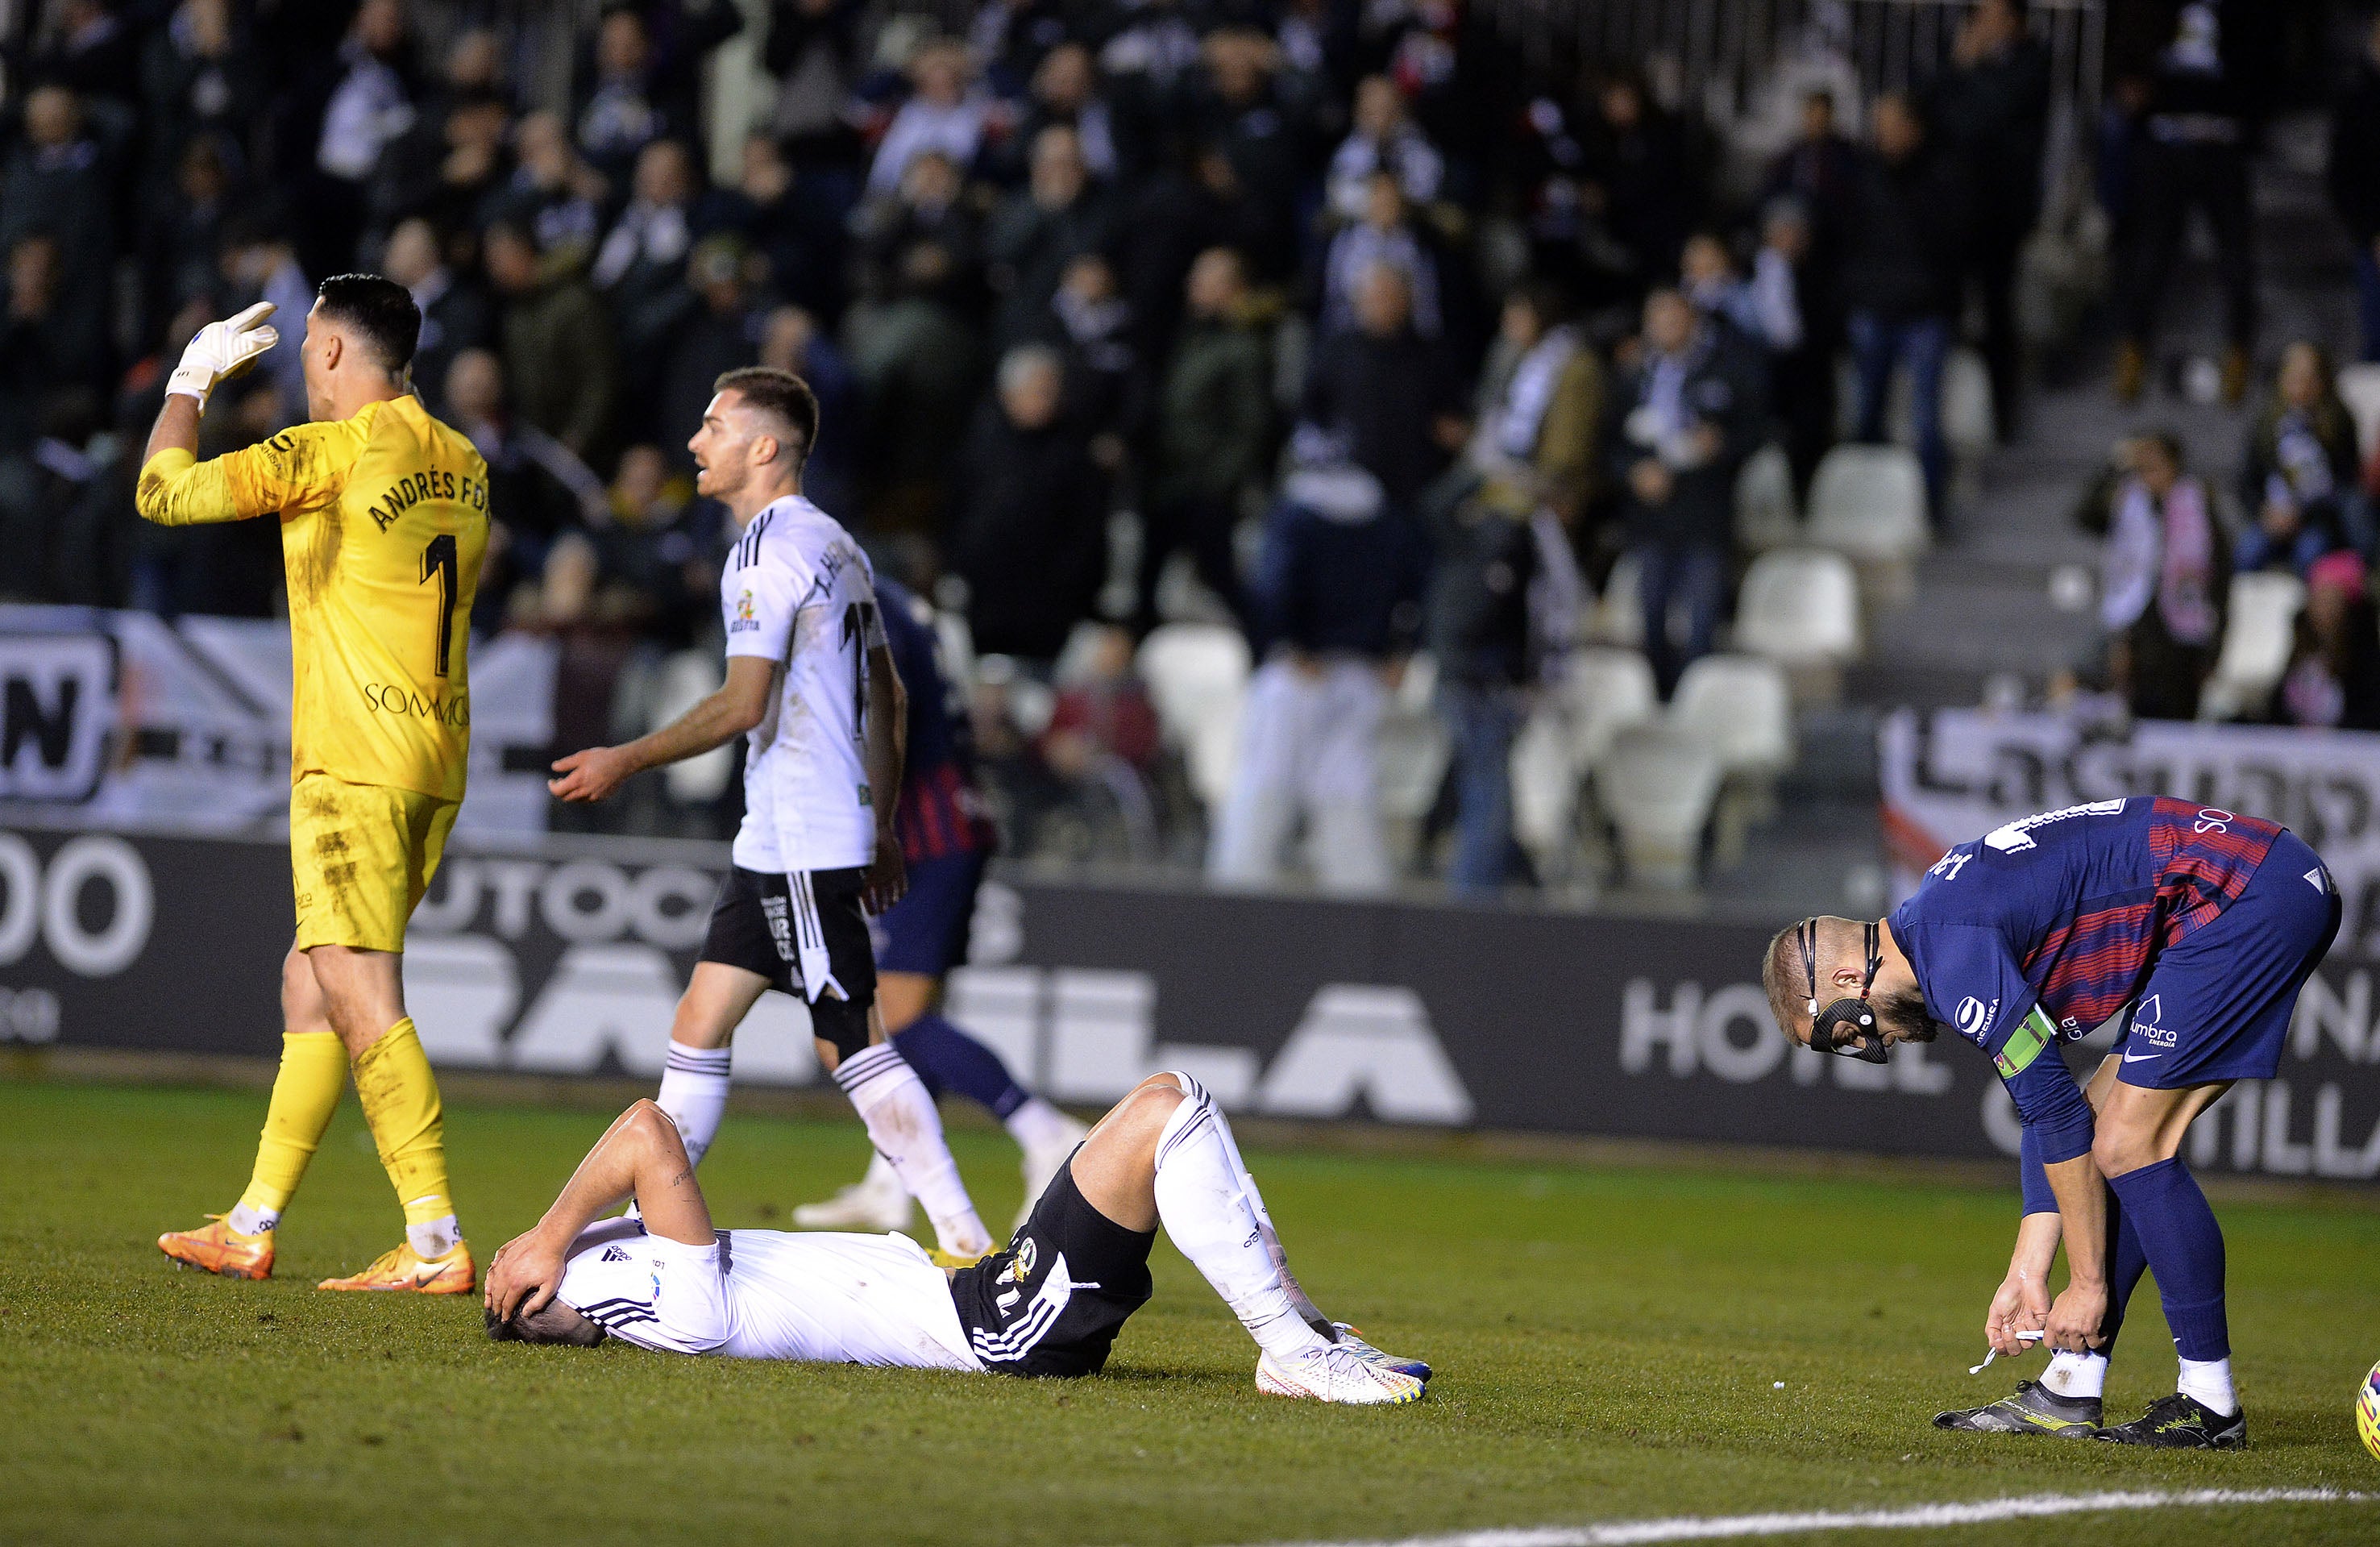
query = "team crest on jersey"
x=743 y=619
x=1026 y=1256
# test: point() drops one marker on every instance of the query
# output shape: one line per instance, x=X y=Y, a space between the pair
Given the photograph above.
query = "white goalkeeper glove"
x=223 y=350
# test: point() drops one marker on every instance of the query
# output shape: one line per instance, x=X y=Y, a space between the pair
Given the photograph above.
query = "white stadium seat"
x=1738 y=706
x=1619 y=616
x=1869 y=501
x=1197 y=677
x=1601 y=693
x=1659 y=786
x=685 y=679
x=2257 y=638
x=1969 y=427
x=1800 y=607
x=1766 y=516
x=2359 y=388
x=1414 y=747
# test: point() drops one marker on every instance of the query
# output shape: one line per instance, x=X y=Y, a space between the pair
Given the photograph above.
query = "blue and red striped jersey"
x=939 y=812
x=2068 y=909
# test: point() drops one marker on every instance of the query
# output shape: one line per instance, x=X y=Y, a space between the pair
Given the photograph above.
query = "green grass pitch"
x=1609 y=1343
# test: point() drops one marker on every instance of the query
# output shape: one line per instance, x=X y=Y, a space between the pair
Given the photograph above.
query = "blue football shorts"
x=926 y=932
x=2216 y=1006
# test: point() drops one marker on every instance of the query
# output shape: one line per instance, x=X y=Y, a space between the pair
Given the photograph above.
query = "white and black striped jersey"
x=798 y=592
x=811 y=1296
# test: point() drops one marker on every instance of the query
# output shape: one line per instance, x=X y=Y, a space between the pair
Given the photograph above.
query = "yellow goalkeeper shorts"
x=361 y=856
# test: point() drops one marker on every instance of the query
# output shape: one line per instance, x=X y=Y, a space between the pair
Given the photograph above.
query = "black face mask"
x=1848 y=1026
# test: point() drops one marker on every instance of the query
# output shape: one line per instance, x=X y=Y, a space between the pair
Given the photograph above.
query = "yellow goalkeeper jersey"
x=384 y=523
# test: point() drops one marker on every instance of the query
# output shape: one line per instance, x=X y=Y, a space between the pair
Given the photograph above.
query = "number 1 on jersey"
x=438 y=559
x=856 y=620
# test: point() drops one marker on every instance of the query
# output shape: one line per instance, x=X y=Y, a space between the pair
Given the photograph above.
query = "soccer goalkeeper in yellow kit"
x=384 y=521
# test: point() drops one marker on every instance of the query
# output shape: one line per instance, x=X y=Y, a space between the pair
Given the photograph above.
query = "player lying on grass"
x=1050 y=1304
x=2205 y=924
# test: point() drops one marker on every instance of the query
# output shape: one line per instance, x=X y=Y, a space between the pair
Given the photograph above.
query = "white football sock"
x=694 y=1093
x=433 y=1238
x=907 y=1131
x=1306 y=1310
x=252 y=1221
x=881 y=1175
x=2077 y=1375
x=1039 y=1125
x=2210 y=1382
x=1214 y=1224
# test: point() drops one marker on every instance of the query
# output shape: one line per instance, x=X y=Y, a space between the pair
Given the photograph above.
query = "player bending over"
x=1050 y=1304
x=2203 y=925
x=384 y=516
x=812 y=684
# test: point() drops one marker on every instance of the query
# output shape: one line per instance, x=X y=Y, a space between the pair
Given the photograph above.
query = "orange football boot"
x=219 y=1249
x=403 y=1269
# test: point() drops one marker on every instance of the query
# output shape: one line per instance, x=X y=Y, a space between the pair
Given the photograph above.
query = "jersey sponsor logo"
x=430 y=484
x=1975 y=1018
x=395 y=698
x=781 y=929
x=2145 y=1023
x=2213 y=820
x=2012 y=839
x=742 y=622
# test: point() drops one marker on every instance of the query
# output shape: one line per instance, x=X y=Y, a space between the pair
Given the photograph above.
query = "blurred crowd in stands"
x=1327 y=321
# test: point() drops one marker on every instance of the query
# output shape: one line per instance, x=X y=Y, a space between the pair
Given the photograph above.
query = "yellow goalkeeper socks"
x=304 y=1092
x=400 y=1101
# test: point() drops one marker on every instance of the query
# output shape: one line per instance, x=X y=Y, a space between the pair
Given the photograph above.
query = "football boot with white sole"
x=1352 y=1339
x=1327 y=1372
x=868 y=1204
x=2034 y=1409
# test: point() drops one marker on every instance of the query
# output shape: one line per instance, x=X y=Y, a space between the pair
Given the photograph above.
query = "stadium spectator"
x=371 y=104
x=456 y=314
x=1683 y=421
x=1383 y=139
x=2193 y=154
x=1031 y=540
x=1991 y=109
x=1760 y=312
x=1037 y=231
x=722 y=334
x=917 y=359
x=199 y=79
x=1900 y=279
x=1065 y=94
x=1640 y=169
x=181 y=225
x=1213 y=432
x=58 y=185
x=2164 y=574
x=640 y=268
x=1802 y=372
x=553 y=193
x=2333 y=678
x=928 y=207
x=457 y=153
x=1334 y=607
x=812 y=50
x=2353 y=168
x=1102 y=744
x=89 y=51
x=1262 y=135
x=1385 y=394
x=1189 y=203
x=2298 y=477
x=797 y=223
x=558 y=349
x=656 y=557
x=625 y=104
x=260 y=262
x=1540 y=408
x=536 y=488
x=1107 y=392
x=1382 y=236
x=790 y=340
x=942 y=113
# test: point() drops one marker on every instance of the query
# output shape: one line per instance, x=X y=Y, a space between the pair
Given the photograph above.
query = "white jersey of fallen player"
x=798 y=592
x=811 y=1296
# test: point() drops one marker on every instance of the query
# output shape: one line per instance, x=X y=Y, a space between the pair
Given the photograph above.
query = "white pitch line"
x=1931 y=1516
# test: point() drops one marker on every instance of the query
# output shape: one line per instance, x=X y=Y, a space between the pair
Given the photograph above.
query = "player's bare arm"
x=888 y=749
x=639 y=1156
x=741 y=703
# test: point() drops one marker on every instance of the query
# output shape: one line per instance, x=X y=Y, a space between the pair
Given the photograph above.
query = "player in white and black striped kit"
x=1049 y=1305
x=811 y=683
